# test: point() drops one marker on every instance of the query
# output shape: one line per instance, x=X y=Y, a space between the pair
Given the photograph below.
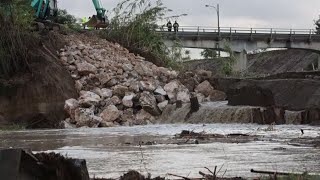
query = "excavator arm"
x=100 y=10
x=100 y=20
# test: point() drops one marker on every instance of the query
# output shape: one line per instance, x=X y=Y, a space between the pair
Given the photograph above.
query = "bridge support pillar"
x=241 y=61
x=318 y=62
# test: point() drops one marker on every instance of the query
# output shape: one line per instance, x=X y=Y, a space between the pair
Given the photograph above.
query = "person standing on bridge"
x=169 y=26
x=175 y=26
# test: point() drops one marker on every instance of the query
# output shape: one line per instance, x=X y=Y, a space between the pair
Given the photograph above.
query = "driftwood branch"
x=273 y=172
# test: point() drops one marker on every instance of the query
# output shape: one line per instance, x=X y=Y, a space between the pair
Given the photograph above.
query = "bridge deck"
x=243 y=34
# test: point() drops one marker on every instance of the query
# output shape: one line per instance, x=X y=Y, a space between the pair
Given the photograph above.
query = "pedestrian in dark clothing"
x=169 y=26
x=175 y=26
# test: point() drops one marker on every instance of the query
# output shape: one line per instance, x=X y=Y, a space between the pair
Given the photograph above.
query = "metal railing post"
x=310 y=36
x=230 y=33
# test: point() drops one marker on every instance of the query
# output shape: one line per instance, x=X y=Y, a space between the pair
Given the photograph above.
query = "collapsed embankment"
x=35 y=98
x=265 y=63
x=106 y=85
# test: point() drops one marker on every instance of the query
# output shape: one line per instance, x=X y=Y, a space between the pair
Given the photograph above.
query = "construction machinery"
x=99 y=20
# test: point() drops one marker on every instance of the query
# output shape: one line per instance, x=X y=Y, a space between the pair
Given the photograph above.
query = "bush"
x=15 y=20
x=134 y=27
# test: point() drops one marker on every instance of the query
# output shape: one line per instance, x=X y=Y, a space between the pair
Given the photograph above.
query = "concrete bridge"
x=242 y=40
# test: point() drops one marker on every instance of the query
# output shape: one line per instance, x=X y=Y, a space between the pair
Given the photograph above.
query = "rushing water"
x=112 y=151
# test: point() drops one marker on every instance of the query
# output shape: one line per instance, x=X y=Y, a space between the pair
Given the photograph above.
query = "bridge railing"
x=235 y=30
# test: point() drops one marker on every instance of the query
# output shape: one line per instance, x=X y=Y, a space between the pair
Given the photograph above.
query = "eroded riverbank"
x=111 y=152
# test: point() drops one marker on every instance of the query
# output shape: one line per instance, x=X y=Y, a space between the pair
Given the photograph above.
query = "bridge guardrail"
x=237 y=30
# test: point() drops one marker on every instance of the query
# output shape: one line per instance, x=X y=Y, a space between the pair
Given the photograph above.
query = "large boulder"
x=85 y=68
x=148 y=85
x=149 y=103
x=88 y=99
x=160 y=91
x=103 y=93
x=204 y=88
x=143 y=70
x=143 y=117
x=127 y=100
x=70 y=106
x=183 y=96
x=110 y=114
x=171 y=88
x=86 y=117
x=217 y=95
x=120 y=90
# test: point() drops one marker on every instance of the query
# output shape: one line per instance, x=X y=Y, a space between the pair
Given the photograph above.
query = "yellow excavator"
x=46 y=8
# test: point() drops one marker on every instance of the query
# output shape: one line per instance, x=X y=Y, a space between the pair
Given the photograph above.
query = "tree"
x=63 y=17
x=317 y=23
x=186 y=55
x=209 y=53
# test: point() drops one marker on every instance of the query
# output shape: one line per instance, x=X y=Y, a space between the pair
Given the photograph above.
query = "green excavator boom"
x=99 y=20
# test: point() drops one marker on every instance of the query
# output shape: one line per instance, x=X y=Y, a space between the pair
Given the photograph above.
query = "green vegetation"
x=209 y=53
x=228 y=62
x=317 y=24
x=134 y=27
x=63 y=17
x=15 y=19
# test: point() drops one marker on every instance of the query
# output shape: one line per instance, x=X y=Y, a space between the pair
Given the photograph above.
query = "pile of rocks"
x=117 y=87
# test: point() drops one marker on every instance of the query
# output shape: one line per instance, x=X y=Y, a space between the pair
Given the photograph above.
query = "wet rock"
x=85 y=68
x=143 y=117
x=128 y=116
x=78 y=85
x=127 y=67
x=120 y=90
x=172 y=88
x=147 y=85
x=149 y=104
x=111 y=82
x=204 y=88
x=216 y=95
x=143 y=70
x=127 y=100
x=115 y=100
x=160 y=98
x=70 y=106
x=204 y=75
x=183 y=96
x=86 y=117
x=103 y=93
x=163 y=105
x=134 y=86
x=110 y=114
x=189 y=80
x=160 y=91
x=104 y=78
x=68 y=125
x=106 y=124
x=88 y=99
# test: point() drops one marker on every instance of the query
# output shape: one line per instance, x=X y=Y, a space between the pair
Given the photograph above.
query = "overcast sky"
x=234 y=13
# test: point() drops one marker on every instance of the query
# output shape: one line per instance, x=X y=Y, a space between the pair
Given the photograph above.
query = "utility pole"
x=217 y=8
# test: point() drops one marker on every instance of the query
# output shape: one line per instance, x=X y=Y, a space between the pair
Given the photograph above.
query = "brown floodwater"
x=112 y=151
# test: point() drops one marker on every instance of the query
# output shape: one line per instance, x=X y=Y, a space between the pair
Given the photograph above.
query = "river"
x=112 y=151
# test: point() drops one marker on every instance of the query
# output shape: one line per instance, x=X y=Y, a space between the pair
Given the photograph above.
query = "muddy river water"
x=112 y=151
